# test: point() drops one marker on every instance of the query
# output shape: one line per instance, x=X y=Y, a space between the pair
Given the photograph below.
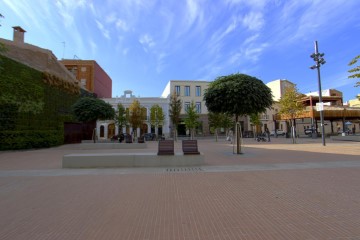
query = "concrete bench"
x=166 y=147
x=190 y=147
x=107 y=160
x=110 y=145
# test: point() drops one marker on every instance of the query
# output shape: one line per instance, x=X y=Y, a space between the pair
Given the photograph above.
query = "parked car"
x=120 y=137
x=150 y=136
x=279 y=132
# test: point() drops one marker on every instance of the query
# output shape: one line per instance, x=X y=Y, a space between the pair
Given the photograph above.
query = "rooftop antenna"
x=76 y=57
x=63 y=50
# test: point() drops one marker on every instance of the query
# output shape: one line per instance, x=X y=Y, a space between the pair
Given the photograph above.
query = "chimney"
x=18 y=34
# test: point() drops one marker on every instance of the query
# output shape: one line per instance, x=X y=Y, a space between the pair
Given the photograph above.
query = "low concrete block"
x=108 y=160
x=112 y=145
x=355 y=138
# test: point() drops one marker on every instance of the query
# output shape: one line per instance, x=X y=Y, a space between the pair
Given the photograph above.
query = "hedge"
x=12 y=140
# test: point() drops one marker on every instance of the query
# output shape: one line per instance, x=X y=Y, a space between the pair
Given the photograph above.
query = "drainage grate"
x=187 y=169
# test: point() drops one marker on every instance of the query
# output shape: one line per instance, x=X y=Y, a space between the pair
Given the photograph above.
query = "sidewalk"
x=274 y=190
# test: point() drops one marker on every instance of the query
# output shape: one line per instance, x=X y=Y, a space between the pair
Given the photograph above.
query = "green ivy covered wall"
x=33 y=106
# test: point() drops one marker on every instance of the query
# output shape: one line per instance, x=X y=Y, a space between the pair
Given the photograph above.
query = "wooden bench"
x=190 y=147
x=166 y=147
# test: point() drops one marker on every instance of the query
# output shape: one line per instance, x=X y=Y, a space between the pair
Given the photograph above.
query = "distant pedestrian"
x=230 y=136
x=268 y=134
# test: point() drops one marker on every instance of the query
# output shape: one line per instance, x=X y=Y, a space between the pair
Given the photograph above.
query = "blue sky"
x=142 y=44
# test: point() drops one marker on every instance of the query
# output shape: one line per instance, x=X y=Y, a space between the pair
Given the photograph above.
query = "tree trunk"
x=237 y=131
x=293 y=130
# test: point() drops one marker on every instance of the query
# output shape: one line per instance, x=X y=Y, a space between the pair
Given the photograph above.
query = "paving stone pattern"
x=248 y=196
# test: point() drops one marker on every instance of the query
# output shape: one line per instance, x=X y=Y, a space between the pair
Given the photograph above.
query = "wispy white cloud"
x=192 y=11
x=252 y=3
x=249 y=52
x=253 y=21
x=161 y=62
x=337 y=81
x=302 y=20
x=24 y=11
x=121 y=24
x=193 y=18
x=93 y=47
x=111 y=17
x=251 y=39
x=67 y=9
x=253 y=52
x=217 y=39
x=147 y=42
x=103 y=30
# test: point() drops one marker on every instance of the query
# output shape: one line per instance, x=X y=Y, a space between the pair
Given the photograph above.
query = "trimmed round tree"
x=88 y=109
x=238 y=95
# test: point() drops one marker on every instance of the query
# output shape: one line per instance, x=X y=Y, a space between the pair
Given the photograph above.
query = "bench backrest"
x=166 y=147
x=190 y=147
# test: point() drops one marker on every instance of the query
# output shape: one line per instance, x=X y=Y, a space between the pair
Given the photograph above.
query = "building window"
x=83 y=82
x=73 y=70
x=177 y=90
x=186 y=106
x=198 y=91
x=198 y=107
x=83 y=69
x=187 y=90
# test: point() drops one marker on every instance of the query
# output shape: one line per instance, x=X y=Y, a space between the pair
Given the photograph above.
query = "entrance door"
x=111 y=130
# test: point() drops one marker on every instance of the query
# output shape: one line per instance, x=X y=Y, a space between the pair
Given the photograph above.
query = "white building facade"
x=106 y=129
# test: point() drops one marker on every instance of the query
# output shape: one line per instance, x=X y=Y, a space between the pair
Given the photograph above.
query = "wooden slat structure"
x=336 y=111
x=166 y=147
x=190 y=147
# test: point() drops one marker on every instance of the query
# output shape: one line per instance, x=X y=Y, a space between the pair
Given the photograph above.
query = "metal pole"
x=320 y=97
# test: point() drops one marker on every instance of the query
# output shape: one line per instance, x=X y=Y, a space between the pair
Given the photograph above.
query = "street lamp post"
x=319 y=60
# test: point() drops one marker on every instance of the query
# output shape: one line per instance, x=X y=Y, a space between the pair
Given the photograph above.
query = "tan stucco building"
x=35 y=57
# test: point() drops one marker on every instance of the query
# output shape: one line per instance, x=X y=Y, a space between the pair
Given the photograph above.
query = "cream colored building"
x=190 y=91
x=35 y=57
x=277 y=87
x=355 y=102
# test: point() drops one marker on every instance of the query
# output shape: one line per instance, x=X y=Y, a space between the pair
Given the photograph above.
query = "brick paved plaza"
x=275 y=190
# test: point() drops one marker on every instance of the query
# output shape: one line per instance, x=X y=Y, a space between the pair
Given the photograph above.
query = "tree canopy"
x=137 y=115
x=255 y=121
x=91 y=109
x=219 y=120
x=290 y=103
x=191 y=119
x=238 y=94
x=157 y=115
x=356 y=70
x=174 y=111
x=120 y=117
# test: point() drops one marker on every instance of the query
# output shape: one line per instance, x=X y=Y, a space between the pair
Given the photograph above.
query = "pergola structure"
x=333 y=111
